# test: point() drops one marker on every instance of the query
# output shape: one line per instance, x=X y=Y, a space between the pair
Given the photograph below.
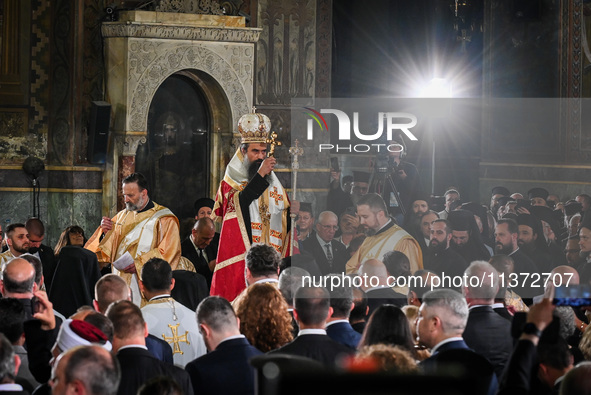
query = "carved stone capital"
x=127 y=144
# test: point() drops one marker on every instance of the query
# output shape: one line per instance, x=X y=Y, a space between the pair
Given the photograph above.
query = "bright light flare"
x=436 y=88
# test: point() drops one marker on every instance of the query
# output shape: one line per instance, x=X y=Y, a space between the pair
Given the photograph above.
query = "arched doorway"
x=176 y=156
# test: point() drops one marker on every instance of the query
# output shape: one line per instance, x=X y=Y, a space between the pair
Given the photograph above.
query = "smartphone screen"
x=574 y=295
x=35 y=305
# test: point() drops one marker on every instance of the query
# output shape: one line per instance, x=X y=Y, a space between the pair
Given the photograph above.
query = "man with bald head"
x=568 y=274
x=201 y=247
x=330 y=255
x=18 y=281
x=376 y=286
x=563 y=274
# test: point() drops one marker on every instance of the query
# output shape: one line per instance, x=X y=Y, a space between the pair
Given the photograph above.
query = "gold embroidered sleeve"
x=167 y=244
x=104 y=248
x=353 y=263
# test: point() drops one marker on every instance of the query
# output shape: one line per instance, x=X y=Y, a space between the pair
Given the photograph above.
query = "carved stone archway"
x=169 y=60
x=143 y=49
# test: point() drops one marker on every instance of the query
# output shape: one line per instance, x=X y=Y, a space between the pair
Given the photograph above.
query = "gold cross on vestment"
x=175 y=339
x=275 y=195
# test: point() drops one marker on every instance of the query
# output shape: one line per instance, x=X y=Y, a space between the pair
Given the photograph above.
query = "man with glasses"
x=330 y=255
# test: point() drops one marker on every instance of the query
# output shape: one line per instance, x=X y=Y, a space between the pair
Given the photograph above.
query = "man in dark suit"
x=226 y=368
x=89 y=370
x=486 y=332
x=440 y=324
x=376 y=286
x=45 y=253
x=138 y=365
x=201 y=247
x=338 y=327
x=330 y=255
x=311 y=310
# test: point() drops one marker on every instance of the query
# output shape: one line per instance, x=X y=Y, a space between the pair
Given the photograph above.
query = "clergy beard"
x=135 y=207
x=527 y=247
x=435 y=246
x=503 y=249
x=370 y=231
x=253 y=168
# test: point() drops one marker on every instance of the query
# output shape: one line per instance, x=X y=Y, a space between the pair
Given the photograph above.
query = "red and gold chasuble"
x=268 y=215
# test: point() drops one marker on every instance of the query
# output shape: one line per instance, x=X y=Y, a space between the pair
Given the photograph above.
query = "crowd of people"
x=456 y=298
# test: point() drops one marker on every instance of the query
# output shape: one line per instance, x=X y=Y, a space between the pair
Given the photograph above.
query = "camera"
x=385 y=164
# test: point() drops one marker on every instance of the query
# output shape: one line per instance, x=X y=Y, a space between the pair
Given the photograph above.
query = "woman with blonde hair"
x=264 y=318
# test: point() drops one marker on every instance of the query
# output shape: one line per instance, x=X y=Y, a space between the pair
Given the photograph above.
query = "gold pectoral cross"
x=175 y=339
x=272 y=141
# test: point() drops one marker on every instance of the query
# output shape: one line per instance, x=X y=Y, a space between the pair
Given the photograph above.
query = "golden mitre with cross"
x=254 y=127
